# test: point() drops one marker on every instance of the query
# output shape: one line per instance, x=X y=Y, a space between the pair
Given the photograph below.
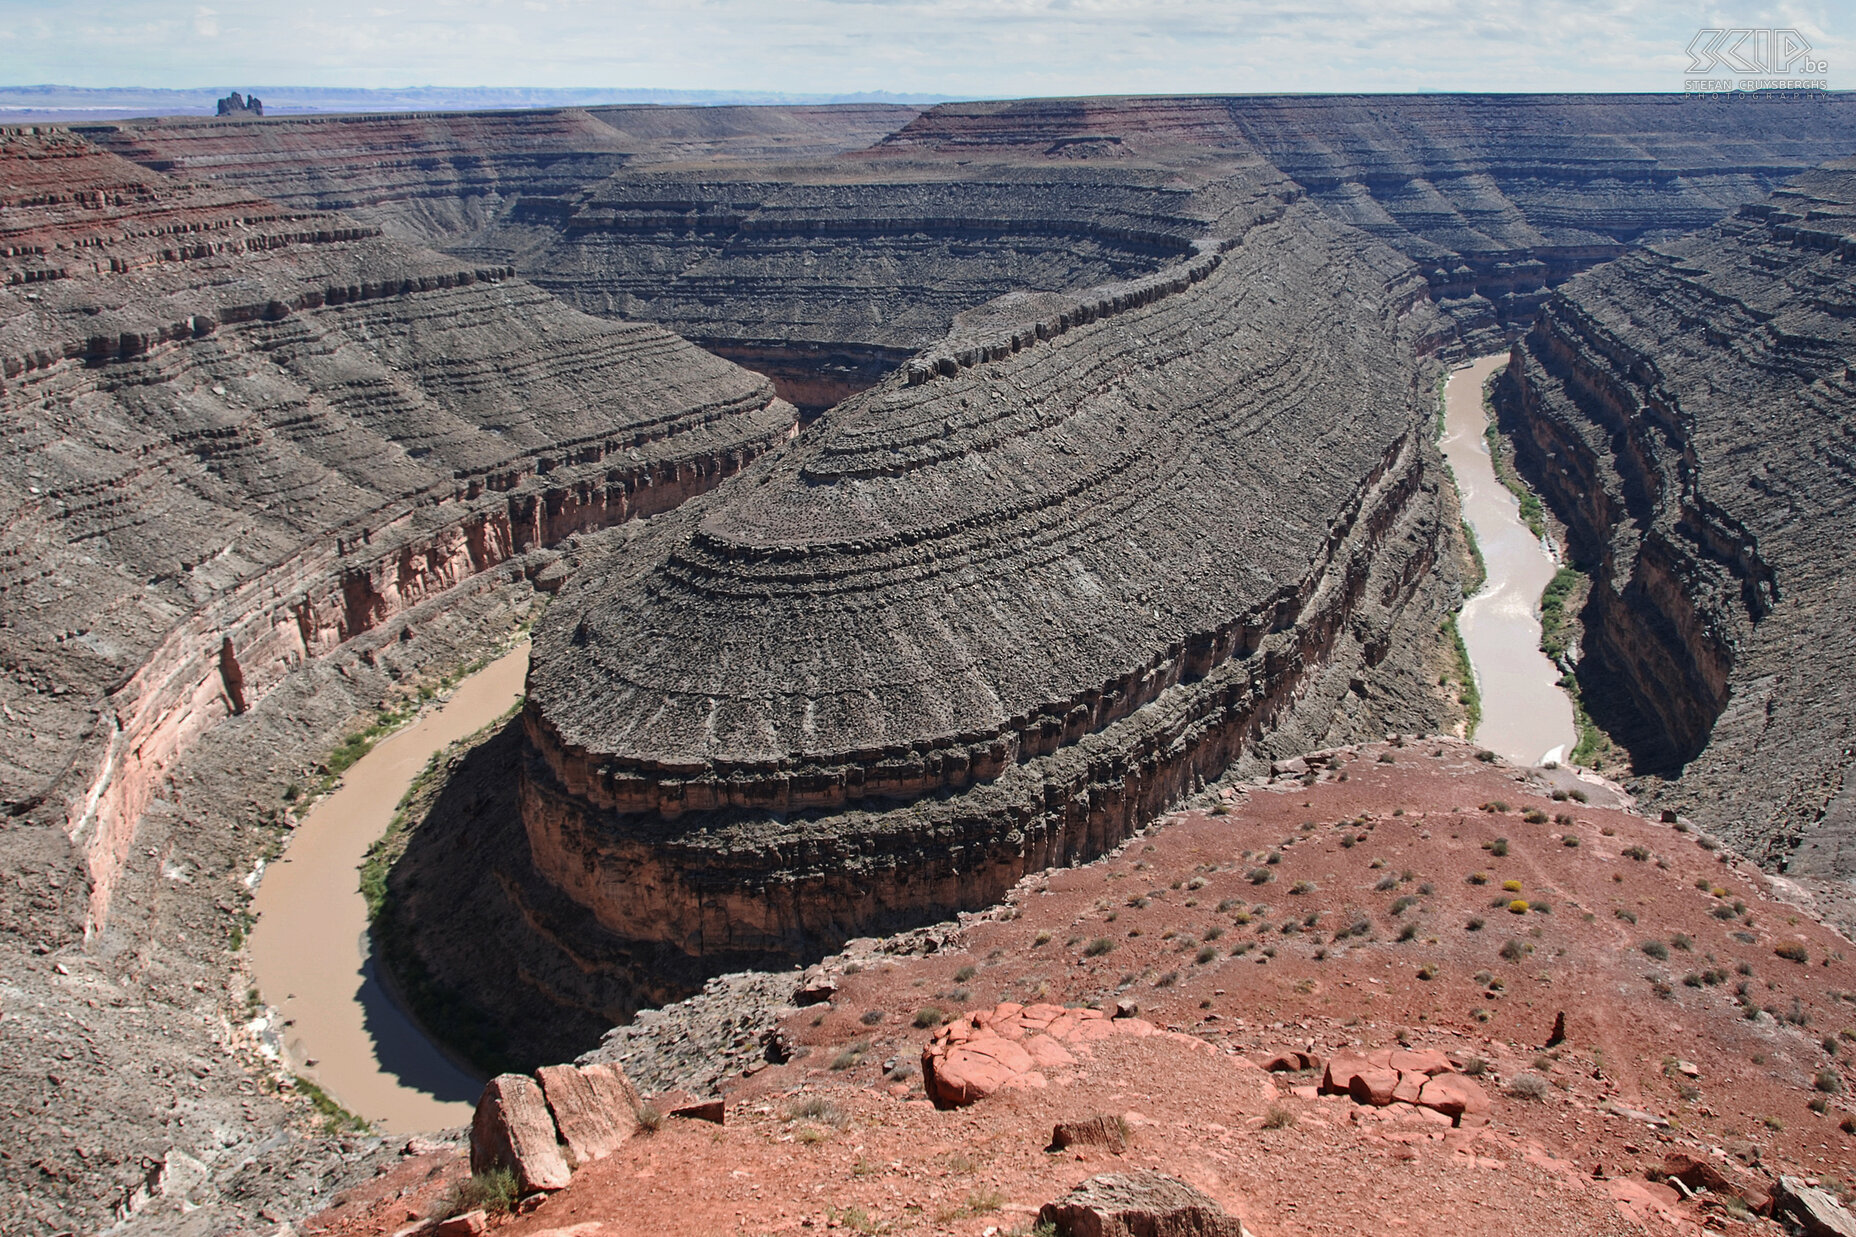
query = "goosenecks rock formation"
x=1687 y=410
x=998 y=612
x=239 y=435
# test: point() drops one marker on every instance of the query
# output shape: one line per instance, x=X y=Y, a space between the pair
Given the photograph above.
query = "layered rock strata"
x=822 y=246
x=991 y=617
x=238 y=435
x=433 y=175
x=1688 y=411
x=1497 y=197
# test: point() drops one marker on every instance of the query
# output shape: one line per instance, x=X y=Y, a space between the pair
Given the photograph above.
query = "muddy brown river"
x=310 y=947
x=1526 y=718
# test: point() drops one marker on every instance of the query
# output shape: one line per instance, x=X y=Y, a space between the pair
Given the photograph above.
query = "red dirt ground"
x=1387 y=823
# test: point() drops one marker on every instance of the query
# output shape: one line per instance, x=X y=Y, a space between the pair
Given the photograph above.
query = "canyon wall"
x=1497 y=198
x=239 y=434
x=429 y=176
x=822 y=245
x=996 y=613
x=1689 y=411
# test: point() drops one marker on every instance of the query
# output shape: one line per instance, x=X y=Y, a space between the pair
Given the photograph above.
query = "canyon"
x=1687 y=411
x=825 y=245
x=1042 y=463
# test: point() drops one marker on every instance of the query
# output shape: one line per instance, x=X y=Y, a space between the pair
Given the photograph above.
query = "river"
x=310 y=948
x=1526 y=717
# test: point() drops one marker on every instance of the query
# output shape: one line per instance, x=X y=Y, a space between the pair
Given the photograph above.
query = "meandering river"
x=310 y=947
x=1526 y=717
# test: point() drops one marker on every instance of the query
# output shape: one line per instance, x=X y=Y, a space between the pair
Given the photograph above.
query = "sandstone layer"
x=994 y=614
x=239 y=435
x=1688 y=411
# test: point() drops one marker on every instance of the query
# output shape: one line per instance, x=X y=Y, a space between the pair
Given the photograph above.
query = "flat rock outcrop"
x=1013 y=1046
x=238 y=435
x=992 y=614
x=1687 y=411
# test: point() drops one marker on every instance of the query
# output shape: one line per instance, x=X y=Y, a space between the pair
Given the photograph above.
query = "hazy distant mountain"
x=25 y=104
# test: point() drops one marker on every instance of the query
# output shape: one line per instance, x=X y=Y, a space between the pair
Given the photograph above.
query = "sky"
x=962 y=48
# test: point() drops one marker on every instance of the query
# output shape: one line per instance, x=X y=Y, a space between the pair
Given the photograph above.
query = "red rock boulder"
x=594 y=1108
x=513 y=1129
x=1459 y=1098
x=1138 y=1204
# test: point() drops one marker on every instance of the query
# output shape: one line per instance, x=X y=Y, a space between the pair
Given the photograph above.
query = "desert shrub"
x=1386 y=883
x=1534 y=816
x=1302 y=887
x=1792 y=951
x=1627 y=916
x=1402 y=904
x=1499 y=848
x=1636 y=852
x=1206 y=954
x=852 y=1055
x=1474 y=924
x=1511 y=886
x=871 y=1017
x=1043 y=937
x=493 y=1192
x=964 y=974
x=1486 y=757
x=1528 y=1086
x=816 y=1108
x=1096 y=948
x=1577 y=796
x=1408 y=933
x=1518 y=906
x=1682 y=941
x=1259 y=876
x=1514 y=950
x=1571 y=839
x=1278 y=1118
x=1478 y=878
x=929 y=1016
x=1656 y=949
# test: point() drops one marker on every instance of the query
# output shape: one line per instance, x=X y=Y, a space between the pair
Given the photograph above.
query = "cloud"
x=958 y=47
